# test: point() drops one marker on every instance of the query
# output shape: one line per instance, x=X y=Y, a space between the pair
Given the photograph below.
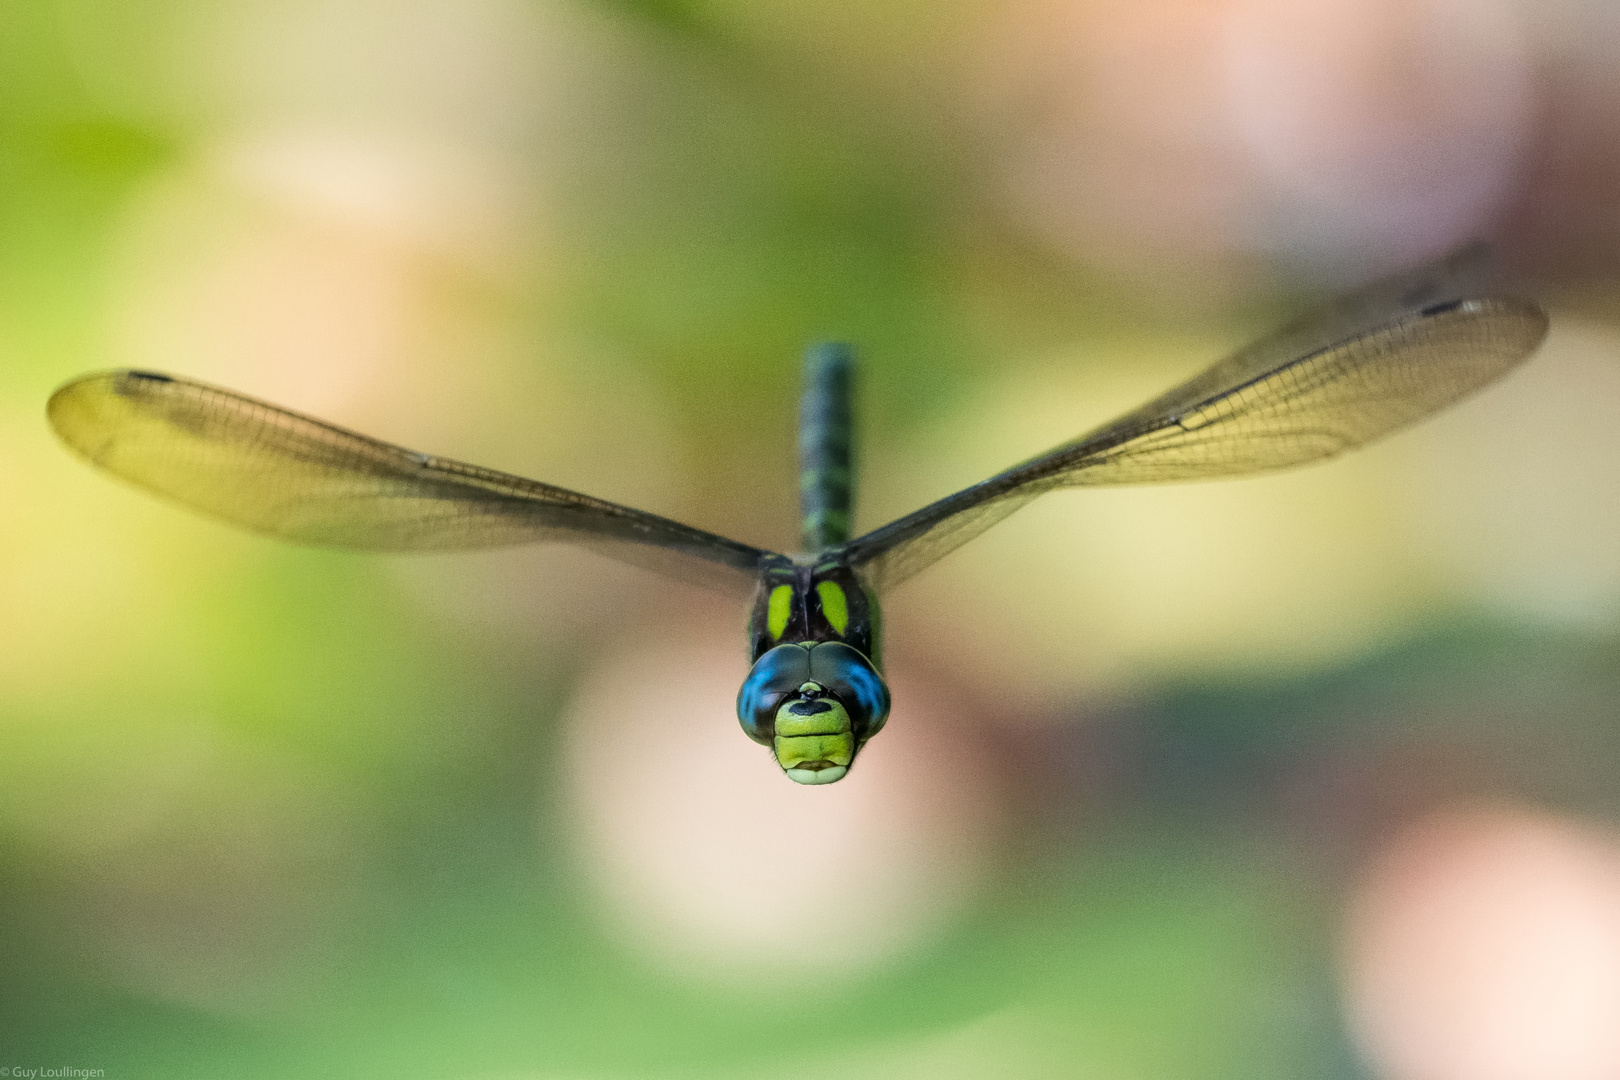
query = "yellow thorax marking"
x=780 y=607
x=834 y=605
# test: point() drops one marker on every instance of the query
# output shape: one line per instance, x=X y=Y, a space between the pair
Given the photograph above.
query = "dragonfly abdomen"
x=826 y=486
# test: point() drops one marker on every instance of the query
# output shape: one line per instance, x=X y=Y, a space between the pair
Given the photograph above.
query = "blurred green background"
x=1303 y=776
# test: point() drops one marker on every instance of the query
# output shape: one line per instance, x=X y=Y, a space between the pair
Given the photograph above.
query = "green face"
x=814 y=740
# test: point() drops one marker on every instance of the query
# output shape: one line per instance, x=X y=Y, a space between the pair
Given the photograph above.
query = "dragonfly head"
x=815 y=705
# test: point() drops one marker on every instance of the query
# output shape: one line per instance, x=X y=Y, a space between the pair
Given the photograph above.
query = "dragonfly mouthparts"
x=816 y=772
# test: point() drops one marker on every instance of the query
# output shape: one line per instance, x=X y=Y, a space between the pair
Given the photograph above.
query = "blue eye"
x=847 y=673
x=775 y=675
x=836 y=666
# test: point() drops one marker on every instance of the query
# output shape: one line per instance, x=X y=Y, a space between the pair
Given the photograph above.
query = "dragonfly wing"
x=1371 y=364
x=292 y=477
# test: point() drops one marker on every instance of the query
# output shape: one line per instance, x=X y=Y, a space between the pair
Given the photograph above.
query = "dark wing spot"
x=1440 y=309
x=153 y=376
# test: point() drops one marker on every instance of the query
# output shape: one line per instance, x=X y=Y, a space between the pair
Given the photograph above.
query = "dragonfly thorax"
x=798 y=602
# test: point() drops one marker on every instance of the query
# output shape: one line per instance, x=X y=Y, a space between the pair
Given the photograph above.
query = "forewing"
x=292 y=477
x=1268 y=406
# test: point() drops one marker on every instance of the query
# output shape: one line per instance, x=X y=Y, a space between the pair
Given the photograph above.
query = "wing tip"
x=68 y=399
x=1530 y=316
x=116 y=378
x=78 y=410
x=1523 y=322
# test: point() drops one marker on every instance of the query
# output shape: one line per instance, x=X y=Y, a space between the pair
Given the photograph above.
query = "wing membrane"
x=289 y=476
x=1374 y=362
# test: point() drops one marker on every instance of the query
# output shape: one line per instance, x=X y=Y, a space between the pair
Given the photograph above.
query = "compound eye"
x=845 y=671
x=778 y=673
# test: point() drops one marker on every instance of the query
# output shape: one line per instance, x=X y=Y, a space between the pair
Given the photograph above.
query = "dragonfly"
x=1366 y=365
